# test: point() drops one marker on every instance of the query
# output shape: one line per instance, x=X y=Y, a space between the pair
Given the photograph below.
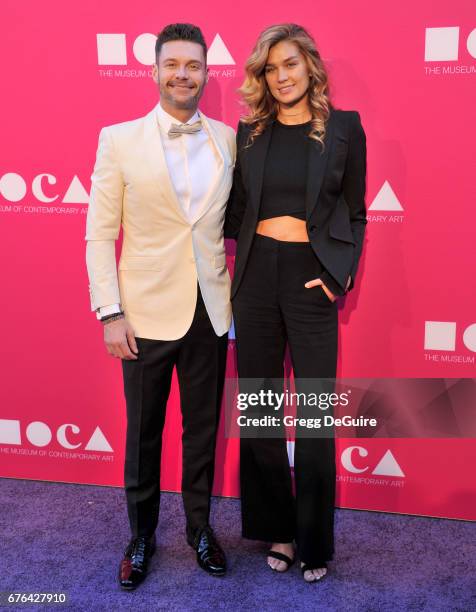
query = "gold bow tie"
x=177 y=130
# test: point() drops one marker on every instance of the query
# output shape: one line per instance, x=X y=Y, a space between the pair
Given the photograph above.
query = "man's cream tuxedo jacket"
x=163 y=253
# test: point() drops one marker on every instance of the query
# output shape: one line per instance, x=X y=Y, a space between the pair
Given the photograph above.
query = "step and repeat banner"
x=69 y=69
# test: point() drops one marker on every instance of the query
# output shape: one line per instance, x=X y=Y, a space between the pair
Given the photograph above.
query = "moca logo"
x=387 y=466
x=39 y=434
x=13 y=188
x=443 y=44
x=441 y=336
x=112 y=50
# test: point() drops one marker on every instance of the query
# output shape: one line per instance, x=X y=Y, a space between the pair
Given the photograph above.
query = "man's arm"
x=102 y=230
x=103 y=224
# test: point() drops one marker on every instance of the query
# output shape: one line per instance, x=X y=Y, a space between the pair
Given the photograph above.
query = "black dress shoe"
x=133 y=568
x=210 y=555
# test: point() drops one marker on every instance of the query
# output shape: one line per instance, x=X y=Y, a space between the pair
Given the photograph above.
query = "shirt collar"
x=165 y=120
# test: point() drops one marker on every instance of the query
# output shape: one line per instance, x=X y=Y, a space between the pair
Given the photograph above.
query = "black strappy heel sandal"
x=281 y=557
x=309 y=568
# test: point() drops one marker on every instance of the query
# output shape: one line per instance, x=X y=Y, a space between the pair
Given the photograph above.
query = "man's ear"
x=155 y=73
x=206 y=76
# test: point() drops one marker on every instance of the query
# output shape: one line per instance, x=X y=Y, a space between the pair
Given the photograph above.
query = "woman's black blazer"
x=335 y=205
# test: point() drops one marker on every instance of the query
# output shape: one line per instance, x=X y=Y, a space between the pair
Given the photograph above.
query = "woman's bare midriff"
x=288 y=229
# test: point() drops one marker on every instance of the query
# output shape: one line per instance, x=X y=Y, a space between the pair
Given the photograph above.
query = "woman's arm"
x=235 y=208
x=354 y=183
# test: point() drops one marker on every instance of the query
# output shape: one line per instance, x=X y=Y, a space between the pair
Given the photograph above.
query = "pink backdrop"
x=70 y=68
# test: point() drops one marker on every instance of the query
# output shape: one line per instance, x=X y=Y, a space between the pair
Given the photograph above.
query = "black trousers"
x=271 y=309
x=200 y=359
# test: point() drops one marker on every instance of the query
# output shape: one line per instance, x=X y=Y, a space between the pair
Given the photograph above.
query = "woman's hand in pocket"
x=317 y=281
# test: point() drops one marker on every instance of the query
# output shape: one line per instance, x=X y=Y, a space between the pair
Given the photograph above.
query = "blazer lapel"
x=155 y=156
x=219 y=180
x=256 y=160
x=317 y=164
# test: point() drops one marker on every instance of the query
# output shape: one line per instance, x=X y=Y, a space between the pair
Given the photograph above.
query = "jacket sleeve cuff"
x=331 y=283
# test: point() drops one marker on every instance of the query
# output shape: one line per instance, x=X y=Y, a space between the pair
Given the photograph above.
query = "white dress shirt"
x=193 y=162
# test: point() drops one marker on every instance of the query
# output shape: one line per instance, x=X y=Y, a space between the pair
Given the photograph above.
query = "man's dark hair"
x=180 y=31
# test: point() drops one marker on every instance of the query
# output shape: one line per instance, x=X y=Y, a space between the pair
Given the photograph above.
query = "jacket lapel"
x=155 y=156
x=223 y=162
x=317 y=164
x=256 y=161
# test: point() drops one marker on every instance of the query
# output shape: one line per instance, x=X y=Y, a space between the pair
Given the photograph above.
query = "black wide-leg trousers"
x=200 y=360
x=271 y=309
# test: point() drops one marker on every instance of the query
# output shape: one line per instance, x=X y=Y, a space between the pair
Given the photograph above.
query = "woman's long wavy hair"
x=263 y=108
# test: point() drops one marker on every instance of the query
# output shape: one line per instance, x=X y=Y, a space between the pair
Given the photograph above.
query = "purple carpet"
x=70 y=538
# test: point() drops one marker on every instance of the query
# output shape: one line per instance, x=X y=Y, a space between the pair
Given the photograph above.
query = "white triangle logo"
x=386 y=199
x=76 y=193
x=388 y=466
x=218 y=54
x=98 y=442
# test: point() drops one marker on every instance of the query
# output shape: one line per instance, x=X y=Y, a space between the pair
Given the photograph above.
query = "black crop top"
x=285 y=172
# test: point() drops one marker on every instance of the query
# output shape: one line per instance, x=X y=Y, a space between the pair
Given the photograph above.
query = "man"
x=166 y=178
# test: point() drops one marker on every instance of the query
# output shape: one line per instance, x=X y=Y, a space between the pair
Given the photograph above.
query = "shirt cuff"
x=107 y=310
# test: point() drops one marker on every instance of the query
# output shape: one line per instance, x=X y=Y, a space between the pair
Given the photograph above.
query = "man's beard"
x=187 y=104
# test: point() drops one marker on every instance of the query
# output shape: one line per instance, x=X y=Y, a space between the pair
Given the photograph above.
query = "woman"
x=298 y=214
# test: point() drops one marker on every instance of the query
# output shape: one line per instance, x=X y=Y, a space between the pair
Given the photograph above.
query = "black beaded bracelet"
x=112 y=317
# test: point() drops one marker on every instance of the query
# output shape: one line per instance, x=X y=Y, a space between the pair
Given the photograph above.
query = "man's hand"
x=317 y=281
x=120 y=340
